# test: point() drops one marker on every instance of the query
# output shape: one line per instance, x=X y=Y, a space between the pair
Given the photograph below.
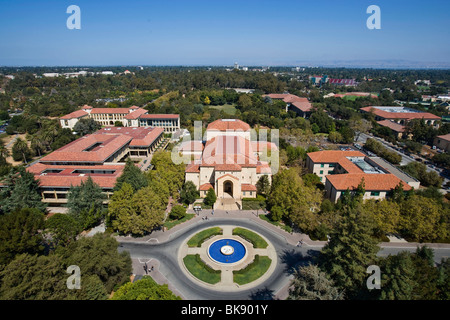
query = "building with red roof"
x=100 y=155
x=128 y=117
x=401 y=115
x=229 y=163
x=345 y=170
x=442 y=142
x=301 y=106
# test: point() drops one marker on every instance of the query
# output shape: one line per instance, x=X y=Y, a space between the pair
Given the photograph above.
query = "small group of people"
x=146 y=269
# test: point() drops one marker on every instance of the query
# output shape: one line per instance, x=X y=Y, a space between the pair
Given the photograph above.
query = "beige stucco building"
x=128 y=117
x=229 y=163
x=340 y=171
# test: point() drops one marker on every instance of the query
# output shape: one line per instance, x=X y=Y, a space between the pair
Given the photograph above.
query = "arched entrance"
x=228 y=188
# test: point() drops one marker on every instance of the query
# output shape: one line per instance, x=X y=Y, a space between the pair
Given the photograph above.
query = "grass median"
x=250 y=236
x=200 y=270
x=253 y=271
x=202 y=236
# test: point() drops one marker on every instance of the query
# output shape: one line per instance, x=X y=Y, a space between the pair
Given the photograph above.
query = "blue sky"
x=197 y=32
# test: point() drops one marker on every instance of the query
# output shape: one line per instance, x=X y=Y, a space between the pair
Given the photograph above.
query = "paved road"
x=289 y=255
x=166 y=253
x=405 y=158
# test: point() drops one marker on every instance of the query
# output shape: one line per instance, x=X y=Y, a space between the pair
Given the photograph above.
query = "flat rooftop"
x=398 y=109
x=365 y=166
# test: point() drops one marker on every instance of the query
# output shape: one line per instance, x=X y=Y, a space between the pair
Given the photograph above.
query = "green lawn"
x=227 y=108
x=250 y=236
x=199 y=238
x=200 y=270
x=253 y=271
x=172 y=223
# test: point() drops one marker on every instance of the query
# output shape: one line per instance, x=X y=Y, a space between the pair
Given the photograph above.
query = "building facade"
x=100 y=155
x=345 y=170
x=128 y=117
x=401 y=115
x=229 y=163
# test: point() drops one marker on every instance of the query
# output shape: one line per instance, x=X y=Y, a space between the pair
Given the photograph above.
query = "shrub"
x=178 y=212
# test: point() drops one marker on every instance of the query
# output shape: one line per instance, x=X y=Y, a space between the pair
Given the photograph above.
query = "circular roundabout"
x=227 y=258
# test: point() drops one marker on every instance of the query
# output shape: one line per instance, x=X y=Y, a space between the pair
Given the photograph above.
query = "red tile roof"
x=136 y=114
x=304 y=106
x=445 y=137
x=229 y=150
x=298 y=102
x=229 y=124
x=75 y=114
x=247 y=187
x=206 y=187
x=66 y=178
x=332 y=156
x=372 y=182
x=263 y=167
x=141 y=136
x=75 y=151
x=227 y=167
x=392 y=125
x=401 y=115
x=192 y=168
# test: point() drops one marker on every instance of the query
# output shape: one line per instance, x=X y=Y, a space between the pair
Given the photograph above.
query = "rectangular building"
x=345 y=170
x=100 y=155
x=128 y=117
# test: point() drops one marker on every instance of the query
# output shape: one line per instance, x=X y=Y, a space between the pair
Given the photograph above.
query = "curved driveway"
x=166 y=253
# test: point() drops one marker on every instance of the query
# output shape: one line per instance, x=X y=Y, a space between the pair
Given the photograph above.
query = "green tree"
x=397 y=277
x=350 y=250
x=136 y=213
x=62 y=228
x=422 y=219
x=98 y=256
x=20 y=232
x=210 y=198
x=244 y=102
x=385 y=213
x=263 y=185
x=144 y=289
x=426 y=275
x=312 y=284
x=20 y=190
x=132 y=175
x=21 y=151
x=86 y=126
x=189 y=193
x=443 y=282
x=33 y=277
x=178 y=212
x=420 y=172
x=298 y=202
x=85 y=203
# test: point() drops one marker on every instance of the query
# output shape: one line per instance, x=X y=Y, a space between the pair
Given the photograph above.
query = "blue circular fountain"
x=226 y=251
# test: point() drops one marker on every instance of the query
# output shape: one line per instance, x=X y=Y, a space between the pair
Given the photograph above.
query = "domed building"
x=229 y=163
